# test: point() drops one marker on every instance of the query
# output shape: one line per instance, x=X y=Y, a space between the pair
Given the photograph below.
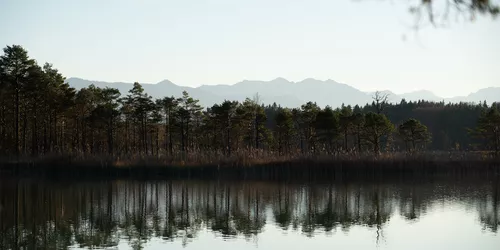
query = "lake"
x=177 y=214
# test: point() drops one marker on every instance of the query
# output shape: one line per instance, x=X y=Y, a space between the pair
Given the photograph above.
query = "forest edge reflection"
x=42 y=214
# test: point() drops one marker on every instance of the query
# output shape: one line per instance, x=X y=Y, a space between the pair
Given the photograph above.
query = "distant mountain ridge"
x=285 y=93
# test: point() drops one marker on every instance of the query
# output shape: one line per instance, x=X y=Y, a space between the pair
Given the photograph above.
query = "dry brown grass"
x=248 y=158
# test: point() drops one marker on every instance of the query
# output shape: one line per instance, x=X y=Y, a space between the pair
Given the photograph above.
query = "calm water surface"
x=38 y=214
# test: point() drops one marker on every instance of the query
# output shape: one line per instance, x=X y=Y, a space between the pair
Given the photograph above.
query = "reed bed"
x=253 y=164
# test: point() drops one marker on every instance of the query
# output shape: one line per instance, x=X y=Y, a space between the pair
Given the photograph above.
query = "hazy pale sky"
x=358 y=42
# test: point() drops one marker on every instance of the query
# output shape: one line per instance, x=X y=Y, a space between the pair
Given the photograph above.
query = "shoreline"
x=307 y=168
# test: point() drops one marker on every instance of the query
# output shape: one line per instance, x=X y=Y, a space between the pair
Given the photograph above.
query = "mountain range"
x=284 y=92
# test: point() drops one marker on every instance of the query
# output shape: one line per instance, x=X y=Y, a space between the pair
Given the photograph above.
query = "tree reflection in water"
x=37 y=214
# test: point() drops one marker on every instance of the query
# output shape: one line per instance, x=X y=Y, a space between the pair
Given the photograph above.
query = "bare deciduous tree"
x=380 y=100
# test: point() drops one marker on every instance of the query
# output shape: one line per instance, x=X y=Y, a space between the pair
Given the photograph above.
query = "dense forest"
x=40 y=114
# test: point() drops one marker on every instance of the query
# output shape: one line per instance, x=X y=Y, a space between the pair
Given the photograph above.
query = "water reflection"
x=37 y=214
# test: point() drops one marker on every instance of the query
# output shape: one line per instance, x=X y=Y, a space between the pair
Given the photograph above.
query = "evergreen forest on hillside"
x=41 y=115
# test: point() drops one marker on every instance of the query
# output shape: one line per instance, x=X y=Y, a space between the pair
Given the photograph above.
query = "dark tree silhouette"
x=414 y=132
x=42 y=115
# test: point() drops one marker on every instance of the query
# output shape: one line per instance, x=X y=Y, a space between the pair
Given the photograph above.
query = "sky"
x=368 y=44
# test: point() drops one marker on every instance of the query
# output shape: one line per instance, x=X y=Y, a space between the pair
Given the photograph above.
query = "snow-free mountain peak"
x=285 y=93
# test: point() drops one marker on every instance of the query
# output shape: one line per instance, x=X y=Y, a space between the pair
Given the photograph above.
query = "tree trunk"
x=144 y=135
x=214 y=139
x=256 y=132
x=301 y=144
x=167 y=120
x=126 y=135
x=170 y=142
x=497 y=142
x=62 y=141
x=17 y=118
x=92 y=147
x=359 y=138
x=84 y=136
x=49 y=133
x=151 y=142
x=413 y=139
x=34 y=141
x=110 y=137
x=345 y=140
x=134 y=137
x=76 y=134
x=25 y=125
x=2 y=130
x=279 y=144
x=157 y=140
x=182 y=137
x=142 y=139
x=54 y=138
x=228 y=141
x=187 y=135
x=45 y=142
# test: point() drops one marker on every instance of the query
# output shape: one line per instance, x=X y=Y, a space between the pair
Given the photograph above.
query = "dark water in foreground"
x=249 y=215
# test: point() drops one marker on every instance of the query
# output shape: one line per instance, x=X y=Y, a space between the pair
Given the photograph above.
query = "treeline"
x=40 y=114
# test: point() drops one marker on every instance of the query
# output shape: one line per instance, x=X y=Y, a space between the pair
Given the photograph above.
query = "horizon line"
x=282 y=78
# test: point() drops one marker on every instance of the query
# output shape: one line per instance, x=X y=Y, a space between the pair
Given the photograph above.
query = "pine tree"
x=284 y=130
x=376 y=126
x=15 y=66
x=488 y=128
x=413 y=132
x=327 y=127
